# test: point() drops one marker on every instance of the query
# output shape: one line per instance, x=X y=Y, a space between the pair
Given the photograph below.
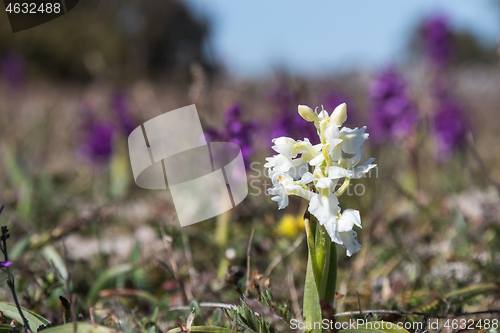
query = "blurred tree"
x=118 y=39
x=469 y=49
x=466 y=47
x=58 y=48
x=170 y=38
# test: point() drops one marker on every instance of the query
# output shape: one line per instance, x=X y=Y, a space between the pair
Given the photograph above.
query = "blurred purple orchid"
x=121 y=106
x=5 y=264
x=333 y=98
x=13 y=69
x=449 y=122
x=393 y=113
x=97 y=144
x=235 y=130
x=437 y=39
x=450 y=128
x=288 y=122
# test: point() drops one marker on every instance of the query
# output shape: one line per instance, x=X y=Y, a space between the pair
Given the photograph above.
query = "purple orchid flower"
x=97 y=143
x=450 y=127
x=288 y=121
x=121 y=106
x=5 y=264
x=235 y=130
x=13 y=69
x=437 y=39
x=393 y=113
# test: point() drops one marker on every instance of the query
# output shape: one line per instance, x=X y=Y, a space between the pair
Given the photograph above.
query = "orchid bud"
x=339 y=115
x=307 y=113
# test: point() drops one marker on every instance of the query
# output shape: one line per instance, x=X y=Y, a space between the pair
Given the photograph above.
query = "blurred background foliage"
x=130 y=39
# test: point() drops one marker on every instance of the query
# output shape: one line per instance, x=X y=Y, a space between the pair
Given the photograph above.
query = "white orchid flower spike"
x=321 y=173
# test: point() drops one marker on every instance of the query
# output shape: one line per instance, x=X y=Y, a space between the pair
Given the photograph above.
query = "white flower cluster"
x=335 y=158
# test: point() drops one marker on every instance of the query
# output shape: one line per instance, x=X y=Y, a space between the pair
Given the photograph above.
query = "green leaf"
x=19 y=248
x=154 y=317
x=234 y=327
x=321 y=258
x=460 y=296
x=81 y=328
x=152 y=328
x=52 y=256
x=105 y=278
x=202 y=329
x=5 y=328
x=472 y=291
x=377 y=327
x=217 y=317
x=253 y=323
x=20 y=180
x=331 y=283
x=311 y=306
x=10 y=310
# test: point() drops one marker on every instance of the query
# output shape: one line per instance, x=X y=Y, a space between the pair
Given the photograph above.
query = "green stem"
x=12 y=286
x=321 y=273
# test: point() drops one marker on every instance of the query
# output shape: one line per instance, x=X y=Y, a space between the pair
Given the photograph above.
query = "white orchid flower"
x=290 y=148
x=284 y=185
x=281 y=163
x=335 y=158
x=350 y=242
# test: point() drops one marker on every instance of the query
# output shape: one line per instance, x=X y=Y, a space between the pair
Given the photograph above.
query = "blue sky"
x=251 y=37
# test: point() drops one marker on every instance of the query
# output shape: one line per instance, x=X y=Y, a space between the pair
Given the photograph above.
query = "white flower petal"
x=324 y=208
x=323 y=115
x=353 y=138
x=317 y=160
x=280 y=195
x=299 y=191
x=284 y=185
x=351 y=162
x=350 y=240
x=336 y=172
x=279 y=163
x=335 y=153
x=358 y=172
x=280 y=177
x=324 y=183
x=285 y=146
x=332 y=133
x=349 y=218
x=334 y=143
x=307 y=150
x=307 y=178
x=299 y=169
x=333 y=233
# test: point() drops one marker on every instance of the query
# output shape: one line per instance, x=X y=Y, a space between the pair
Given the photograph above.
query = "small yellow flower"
x=290 y=226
